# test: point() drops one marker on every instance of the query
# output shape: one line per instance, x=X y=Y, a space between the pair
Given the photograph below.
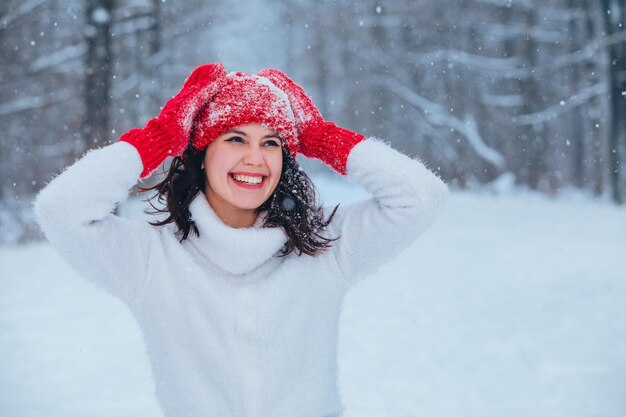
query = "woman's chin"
x=248 y=203
x=248 y=199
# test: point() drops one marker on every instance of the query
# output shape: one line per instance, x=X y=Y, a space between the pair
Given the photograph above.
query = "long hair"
x=293 y=205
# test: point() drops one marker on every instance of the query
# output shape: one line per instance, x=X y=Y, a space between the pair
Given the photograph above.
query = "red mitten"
x=318 y=138
x=168 y=133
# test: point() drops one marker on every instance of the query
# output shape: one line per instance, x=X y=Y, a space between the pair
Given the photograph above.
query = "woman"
x=238 y=290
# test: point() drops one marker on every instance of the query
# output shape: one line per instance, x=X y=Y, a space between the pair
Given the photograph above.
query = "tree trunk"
x=577 y=34
x=153 y=63
x=614 y=23
x=534 y=134
x=380 y=97
x=98 y=71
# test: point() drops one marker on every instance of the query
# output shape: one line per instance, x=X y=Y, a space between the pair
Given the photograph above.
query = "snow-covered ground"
x=510 y=305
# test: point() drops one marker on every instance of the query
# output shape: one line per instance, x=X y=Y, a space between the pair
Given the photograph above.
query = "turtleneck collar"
x=235 y=250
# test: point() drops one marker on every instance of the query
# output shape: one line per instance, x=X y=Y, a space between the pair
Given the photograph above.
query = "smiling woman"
x=248 y=177
x=239 y=290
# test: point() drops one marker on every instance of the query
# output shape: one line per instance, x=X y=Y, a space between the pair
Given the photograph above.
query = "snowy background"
x=531 y=92
x=513 y=303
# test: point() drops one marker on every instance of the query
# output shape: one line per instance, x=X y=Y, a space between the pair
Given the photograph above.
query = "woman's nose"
x=253 y=156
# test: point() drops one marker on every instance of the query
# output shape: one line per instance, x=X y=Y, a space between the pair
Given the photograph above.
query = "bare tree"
x=614 y=22
x=98 y=72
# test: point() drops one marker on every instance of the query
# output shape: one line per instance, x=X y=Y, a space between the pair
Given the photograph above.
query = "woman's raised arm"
x=406 y=197
x=75 y=209
x=75 y=213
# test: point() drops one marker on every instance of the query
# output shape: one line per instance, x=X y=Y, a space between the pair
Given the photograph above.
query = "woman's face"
x=243 y=168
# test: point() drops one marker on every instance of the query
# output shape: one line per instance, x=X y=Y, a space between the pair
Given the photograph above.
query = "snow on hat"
x=246 y=98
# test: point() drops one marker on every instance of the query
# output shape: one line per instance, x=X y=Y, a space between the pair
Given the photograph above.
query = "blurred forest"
x=525 y=93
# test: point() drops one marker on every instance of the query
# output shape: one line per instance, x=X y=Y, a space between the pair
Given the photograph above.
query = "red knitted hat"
x=246 y=98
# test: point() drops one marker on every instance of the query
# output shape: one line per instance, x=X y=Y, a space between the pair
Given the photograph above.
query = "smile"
x=248 y=181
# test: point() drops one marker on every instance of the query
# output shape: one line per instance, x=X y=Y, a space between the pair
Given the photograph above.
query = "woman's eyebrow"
x=239 y=132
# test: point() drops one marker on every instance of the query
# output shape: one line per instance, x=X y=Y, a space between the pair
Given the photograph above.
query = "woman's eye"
x=234 y=139
x=272 y=143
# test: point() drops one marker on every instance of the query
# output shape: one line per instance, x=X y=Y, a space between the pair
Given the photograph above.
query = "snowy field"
x=510 y=305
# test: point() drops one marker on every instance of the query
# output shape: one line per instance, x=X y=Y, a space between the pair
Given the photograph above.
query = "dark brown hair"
x=293 y=205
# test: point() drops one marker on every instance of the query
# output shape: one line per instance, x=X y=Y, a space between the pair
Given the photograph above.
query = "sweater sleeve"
x=406 y=197
x=75 y=213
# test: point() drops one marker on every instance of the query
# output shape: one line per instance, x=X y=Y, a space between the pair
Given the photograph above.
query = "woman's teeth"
x=247 y=179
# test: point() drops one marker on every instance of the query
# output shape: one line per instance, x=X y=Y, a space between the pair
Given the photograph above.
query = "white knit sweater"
x=232 y=330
